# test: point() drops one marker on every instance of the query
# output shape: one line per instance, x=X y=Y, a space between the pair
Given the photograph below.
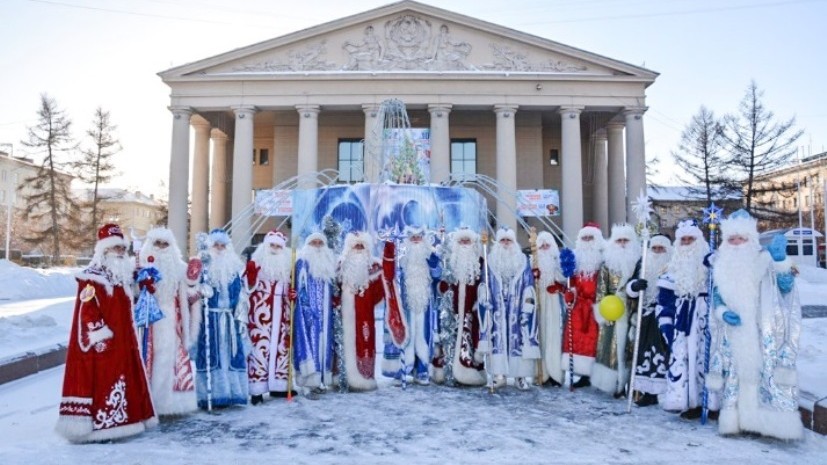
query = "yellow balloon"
x=611 y=308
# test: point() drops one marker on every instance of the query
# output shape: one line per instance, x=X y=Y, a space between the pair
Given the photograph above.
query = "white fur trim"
x=73 y=427
x=108 y=242
x=467 y=376
x=662 y=241
x=623 y=231
x=719 y=312
x=100 y=334
x=315 y=236
x=784 y=425
x=597 y=316
x=545 y=237
x=275 y=237
x=504 y=233
x=590 y=231
x=728 y=421
x=355 y=380
x=582 y=364
x=465 y=234
x=714 y=381
x=747 y=227
x=604 y=378
x=783 y=266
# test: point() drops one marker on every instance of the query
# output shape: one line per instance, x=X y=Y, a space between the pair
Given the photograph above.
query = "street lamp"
x=9 y=203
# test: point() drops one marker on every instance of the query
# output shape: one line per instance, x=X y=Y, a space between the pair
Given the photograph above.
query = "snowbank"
x=22 y=283
x=812 y=285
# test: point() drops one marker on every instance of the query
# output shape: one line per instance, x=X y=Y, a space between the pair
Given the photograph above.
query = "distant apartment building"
x=784 y=187
x=672 y=204
x=135 y=212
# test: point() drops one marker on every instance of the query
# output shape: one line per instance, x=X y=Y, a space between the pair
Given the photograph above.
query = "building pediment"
x=406 y=37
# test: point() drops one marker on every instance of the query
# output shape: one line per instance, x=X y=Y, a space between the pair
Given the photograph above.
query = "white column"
x=218 y=184
x=440 y=142
x=571 y=164
x=600 y=205
x=373 y=141
x=200 y=180
x=506 y=157
x=308 y=139
x=635 y=158
x=179 y=174
x=617 y=178
x=242 y=176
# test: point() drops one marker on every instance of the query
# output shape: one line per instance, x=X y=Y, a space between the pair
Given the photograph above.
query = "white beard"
x=465 y=263
x=172 y=270
x=505 y=263
x=588 y=257
x=737 y=275
x=356 y=270
x=417 y=275
x=622 y=260
x=656 y=264
x=274 y=266
x=548 y=261
x=687 y=269
x=224 y=266
x=120 y=268
x=320 y=262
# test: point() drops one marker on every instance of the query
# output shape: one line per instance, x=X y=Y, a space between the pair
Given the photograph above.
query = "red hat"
x=109 y=235
x=591 y=224
x=109 y=230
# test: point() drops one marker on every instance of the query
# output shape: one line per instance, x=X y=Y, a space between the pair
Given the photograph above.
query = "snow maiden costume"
x=225 y=368
x=105 y=393
x=169 y=367
x=753 y=362
x=313 y=324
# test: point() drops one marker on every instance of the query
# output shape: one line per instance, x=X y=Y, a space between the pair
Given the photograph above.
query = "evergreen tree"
x=95 y=166
x=47 y=194
x=758 y=144
x=701 y=162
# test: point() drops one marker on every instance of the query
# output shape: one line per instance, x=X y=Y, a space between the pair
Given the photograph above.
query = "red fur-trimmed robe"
x=583 y=340
x=465 y=368
x=359 y=328
x=105 y=393
x=268 y=361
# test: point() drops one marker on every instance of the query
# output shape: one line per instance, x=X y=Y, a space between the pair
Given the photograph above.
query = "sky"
x=107 y=53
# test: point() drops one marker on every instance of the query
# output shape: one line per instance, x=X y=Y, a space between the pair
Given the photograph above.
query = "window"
x=463 y=158
x=351 y=160
x=264 y=157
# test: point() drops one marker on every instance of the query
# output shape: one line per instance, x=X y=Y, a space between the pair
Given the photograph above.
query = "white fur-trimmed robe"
x=169 y=367
x=268 y=326
x=610 y=371
x=551 y=316
x=754 y=363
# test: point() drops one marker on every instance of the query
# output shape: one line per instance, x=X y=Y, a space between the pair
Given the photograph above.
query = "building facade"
x=528 y=112
x=671 y=204
x=135 y=212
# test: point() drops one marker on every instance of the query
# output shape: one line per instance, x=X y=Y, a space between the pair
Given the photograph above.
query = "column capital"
x=370 y=109
x=308 y=111
x=200 y=125
x=634 y=112
x=505 y=110
x=179 y=112
x=613 y=126
x=439 y=109
x=242 y=111
x=572 y=111
x=216 y=133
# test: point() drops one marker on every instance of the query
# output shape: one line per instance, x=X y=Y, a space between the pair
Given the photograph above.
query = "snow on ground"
x=431 y=424
x=423 y=425
x=20 y=283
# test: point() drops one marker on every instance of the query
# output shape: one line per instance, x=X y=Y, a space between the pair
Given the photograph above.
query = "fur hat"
x=218 y=236
x=314 y=236
x=275 y=237
x=464 y=233
x=623 y=231
x=355 y=237
x=545 y=237
x=109 y=235
x=411 y=231
x=506 y=233
x=688 y=227
x=742 y=224
x=590 y=229
x=156 y=234
x=661 y=240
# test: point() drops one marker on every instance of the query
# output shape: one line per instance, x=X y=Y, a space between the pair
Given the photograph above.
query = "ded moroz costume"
x=105 y=392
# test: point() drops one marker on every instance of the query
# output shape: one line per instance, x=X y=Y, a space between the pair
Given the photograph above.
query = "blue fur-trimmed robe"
x=422 y=326
x=313 y=328
x=511 y=316
x=754 y=364
x=682 y=319
x=227 y=363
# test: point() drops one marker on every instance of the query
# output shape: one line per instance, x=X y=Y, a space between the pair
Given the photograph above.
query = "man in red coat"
x=105 y=394
x=580 y=335
x=360 y=275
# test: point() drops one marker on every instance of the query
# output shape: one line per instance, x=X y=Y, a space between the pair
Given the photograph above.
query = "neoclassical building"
x=530 y=112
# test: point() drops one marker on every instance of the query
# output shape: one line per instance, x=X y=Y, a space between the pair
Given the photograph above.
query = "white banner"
x=272 y=202
x=538 y=202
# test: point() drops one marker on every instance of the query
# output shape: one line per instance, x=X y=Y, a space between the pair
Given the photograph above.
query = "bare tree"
x=96 y=167
x=702 y=165
x=757 y=144
x=47 y=194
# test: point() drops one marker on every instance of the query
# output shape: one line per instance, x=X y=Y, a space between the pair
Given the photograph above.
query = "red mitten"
x=147 y=284
x=555 y=288
x=568 y=296
x=251 y=272
x=292 y=294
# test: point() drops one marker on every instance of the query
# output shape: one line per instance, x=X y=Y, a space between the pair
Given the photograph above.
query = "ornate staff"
x=568 y=264
x=642 y=207
x=488 y=374
x=712 y=215
x=290 y=340
x=204 y=255
x=532 y=240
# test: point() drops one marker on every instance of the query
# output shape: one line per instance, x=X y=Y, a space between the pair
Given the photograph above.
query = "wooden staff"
x=532 y=240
